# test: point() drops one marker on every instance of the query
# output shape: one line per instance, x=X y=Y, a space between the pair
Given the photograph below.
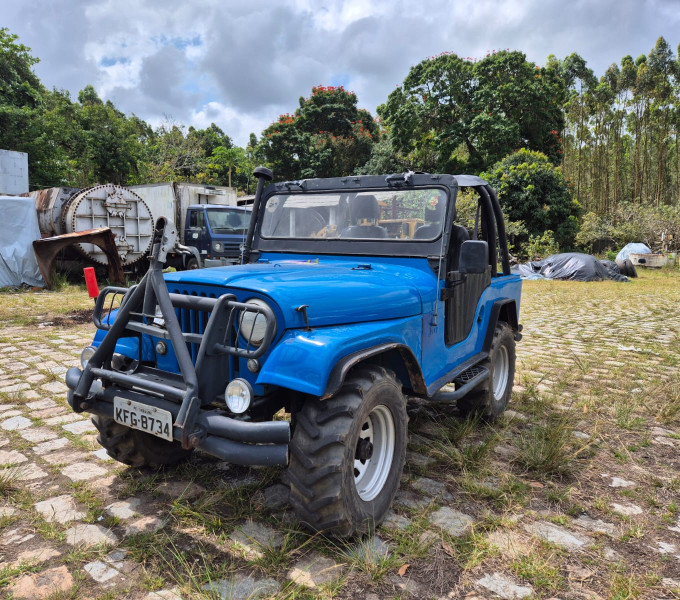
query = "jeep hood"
x=335 y=292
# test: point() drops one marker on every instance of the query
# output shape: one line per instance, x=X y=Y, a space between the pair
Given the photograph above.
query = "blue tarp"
x=18 y=264
x=632 y=248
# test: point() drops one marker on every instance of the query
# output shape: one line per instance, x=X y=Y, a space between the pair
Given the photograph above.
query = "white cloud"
x=241 y=63
x=237 y=125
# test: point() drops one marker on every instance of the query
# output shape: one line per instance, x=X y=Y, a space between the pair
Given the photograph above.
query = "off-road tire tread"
x=316 y=462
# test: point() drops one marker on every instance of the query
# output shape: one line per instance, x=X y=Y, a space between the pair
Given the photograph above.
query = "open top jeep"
x=355 y=293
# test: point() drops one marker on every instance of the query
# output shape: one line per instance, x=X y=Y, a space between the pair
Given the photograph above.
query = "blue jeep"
x=356 y=294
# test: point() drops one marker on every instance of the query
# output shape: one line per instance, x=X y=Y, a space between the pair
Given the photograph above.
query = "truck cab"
x=354 y=296
x=217 y=232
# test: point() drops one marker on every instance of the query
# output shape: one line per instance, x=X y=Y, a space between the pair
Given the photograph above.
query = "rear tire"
x=491 y=399
x=347 y=454
x=136 y=448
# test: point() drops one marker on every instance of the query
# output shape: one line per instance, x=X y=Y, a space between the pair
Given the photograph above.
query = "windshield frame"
x=357 y=246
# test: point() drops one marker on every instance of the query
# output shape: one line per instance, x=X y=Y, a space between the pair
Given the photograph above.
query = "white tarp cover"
x=19 y=228
x=632 y=248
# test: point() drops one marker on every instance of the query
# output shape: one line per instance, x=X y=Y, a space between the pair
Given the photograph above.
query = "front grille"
x=192 y=321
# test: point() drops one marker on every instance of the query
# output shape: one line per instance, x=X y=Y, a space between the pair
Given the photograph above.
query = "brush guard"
x=149 y=308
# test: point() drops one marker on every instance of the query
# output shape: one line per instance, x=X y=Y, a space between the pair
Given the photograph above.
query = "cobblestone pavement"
x=575 y=493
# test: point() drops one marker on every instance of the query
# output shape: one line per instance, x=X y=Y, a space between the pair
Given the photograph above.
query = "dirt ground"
x=574 y=493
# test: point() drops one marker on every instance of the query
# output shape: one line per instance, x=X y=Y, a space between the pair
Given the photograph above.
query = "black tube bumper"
x=234 y=441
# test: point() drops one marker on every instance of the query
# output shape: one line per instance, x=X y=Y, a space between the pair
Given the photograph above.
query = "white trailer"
x=171 y=200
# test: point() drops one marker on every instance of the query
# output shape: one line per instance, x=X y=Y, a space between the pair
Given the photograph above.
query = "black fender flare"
x=343 y=366
x=502 y=310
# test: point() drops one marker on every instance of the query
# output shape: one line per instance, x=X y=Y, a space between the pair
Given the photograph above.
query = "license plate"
x=149 y=419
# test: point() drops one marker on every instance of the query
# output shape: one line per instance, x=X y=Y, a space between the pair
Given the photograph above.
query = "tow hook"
x=196 y=438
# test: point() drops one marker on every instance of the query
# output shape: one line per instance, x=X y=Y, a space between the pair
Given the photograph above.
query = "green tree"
x=622 y=138
x=210 y=138
x=19 y=85
x=383 y=159
x=225 y=161
x=454 y=114
x=23 y=126
x=534 y=191
x=326 y=136
x=170 y=155
x=110 y=148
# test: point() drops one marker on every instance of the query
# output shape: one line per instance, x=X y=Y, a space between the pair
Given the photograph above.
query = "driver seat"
x=364 y=208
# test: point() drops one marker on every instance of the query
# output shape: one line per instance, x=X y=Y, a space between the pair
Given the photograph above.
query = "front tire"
x=136 y=448
x=347 y=454
x=491 y=399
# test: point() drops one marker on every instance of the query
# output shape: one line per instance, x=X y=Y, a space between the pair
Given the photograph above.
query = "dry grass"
x=27 y=307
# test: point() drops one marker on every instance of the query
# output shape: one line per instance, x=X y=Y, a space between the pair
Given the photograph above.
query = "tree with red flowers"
x=326 y=136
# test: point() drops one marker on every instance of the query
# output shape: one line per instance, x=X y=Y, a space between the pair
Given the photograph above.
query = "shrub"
x=656 y=226
x=540 y=246
x=532 y=190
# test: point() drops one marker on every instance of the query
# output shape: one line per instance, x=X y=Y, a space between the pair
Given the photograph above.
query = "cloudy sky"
x=241 y=63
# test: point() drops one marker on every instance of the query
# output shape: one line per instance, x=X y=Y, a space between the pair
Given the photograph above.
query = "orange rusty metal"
x=46 y=251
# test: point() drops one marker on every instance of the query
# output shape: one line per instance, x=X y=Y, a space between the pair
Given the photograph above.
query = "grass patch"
x=7 y=574
x=548 y=450
x=539 y=570
x=369 y=557
x=9 y=481
x=215 y=511
x=48 y=530
x=666 y=400
x=460 y=445
x=625 y=416
x=470 y=550
x=624 y=587
x=275 y=561
x=194 y=572
x=27 y=308
x=504 y=491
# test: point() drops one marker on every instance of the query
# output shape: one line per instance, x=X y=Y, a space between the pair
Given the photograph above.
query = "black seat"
x=364 y=208
x=428 y=231
x=433 y=226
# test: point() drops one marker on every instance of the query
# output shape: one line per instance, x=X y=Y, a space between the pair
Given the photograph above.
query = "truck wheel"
x=192 y=264
x=491 y=399
x=347 y=454
x=136 y=448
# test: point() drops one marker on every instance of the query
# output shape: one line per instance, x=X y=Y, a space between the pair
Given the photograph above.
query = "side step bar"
x=467 y=381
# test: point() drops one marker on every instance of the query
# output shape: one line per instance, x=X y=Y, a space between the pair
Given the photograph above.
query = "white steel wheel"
x=374 y=453
x=501 y=372
x=491 y=398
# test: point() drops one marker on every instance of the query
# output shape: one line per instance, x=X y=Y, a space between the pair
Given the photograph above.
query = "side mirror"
x=474 y=256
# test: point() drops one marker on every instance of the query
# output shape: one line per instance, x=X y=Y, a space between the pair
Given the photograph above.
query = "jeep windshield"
x=228 y=221
x=395 y=215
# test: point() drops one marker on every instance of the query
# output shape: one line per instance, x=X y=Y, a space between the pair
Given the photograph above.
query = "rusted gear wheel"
x=118 y=208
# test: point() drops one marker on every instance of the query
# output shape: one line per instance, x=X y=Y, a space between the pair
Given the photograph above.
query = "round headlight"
x=238 y=395
x=86 y=355
x=253 y=325
x=217 y=246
